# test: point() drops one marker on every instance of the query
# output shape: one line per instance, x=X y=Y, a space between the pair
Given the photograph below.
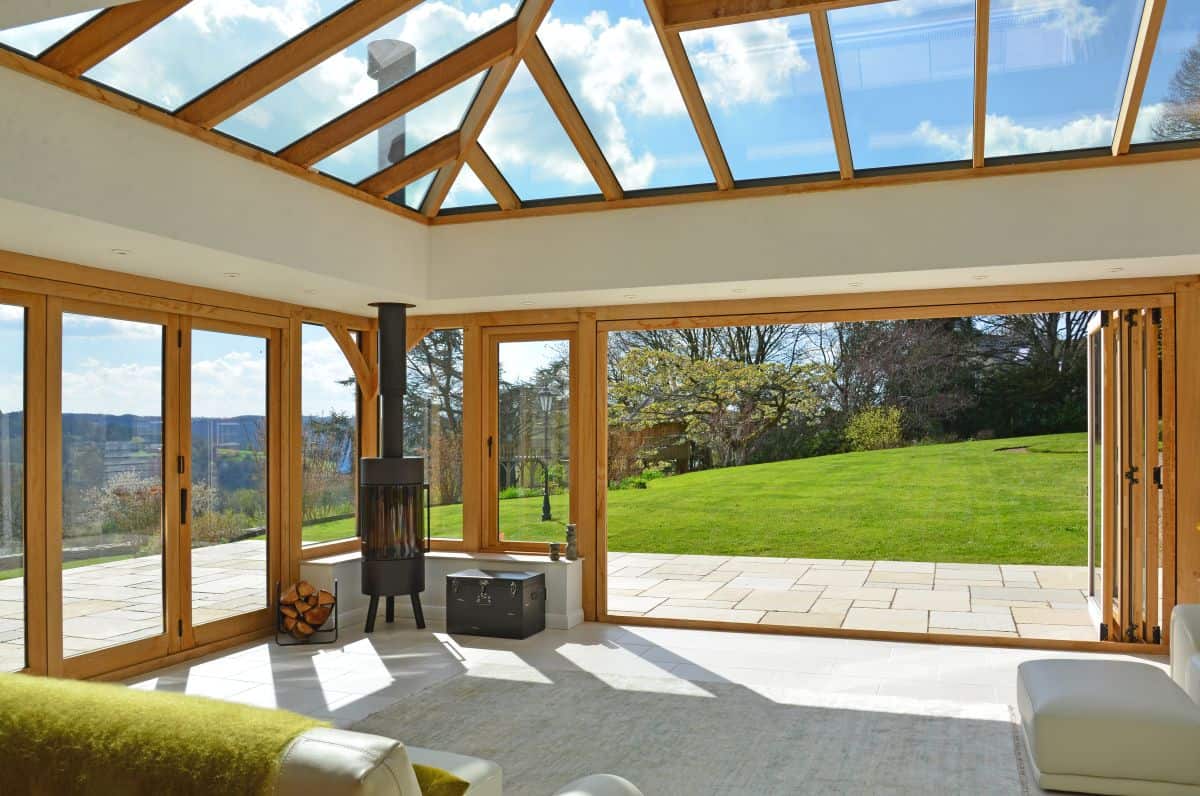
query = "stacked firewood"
x=304 y=608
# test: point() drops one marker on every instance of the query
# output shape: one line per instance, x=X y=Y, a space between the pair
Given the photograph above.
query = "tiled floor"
x=912 y=596
x=109 y=604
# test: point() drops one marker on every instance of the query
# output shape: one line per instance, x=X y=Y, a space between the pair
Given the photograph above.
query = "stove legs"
x=390 y=611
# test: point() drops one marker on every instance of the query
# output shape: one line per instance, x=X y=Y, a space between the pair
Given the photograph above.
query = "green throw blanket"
x=68 y=737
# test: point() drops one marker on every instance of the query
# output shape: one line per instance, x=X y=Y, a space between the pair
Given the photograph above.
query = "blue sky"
x=1056 y=71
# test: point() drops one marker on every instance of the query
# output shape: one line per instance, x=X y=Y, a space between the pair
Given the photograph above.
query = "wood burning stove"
x=391 y=491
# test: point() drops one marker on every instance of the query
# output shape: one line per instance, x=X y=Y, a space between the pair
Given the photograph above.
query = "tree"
x=1180 y=118
x=722 y=405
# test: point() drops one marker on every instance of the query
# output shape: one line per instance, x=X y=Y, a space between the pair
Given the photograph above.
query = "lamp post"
x=545 y=401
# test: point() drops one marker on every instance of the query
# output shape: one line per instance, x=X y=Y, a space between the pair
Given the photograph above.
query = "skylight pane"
x=202 y=44
x=609 y=58
x=1056 y=73
x=37 y=37
x=432 y=30
x=907 y=71
x=529 y=146
x=468 y=191
x=1171 y=104
x=413 y=194
x=762 y=86
x=400 y=138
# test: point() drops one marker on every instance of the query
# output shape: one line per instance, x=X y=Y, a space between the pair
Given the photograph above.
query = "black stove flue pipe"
x=391 y=504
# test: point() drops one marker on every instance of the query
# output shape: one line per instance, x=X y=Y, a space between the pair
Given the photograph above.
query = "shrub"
x=875 y=429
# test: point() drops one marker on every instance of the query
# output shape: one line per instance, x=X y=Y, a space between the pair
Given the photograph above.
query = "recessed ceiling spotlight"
x=526 y=303
x=856 y=284
x=630 y=296
x=739 y=290
x=231 y=274
x=980 y=277
x=1116 y=269
x=311 y=291
x=120 y=252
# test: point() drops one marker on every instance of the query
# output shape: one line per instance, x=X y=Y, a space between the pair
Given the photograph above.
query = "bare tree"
x=1181 y=117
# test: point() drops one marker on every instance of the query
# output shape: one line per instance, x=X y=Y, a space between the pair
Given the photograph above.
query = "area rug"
x=672 y=736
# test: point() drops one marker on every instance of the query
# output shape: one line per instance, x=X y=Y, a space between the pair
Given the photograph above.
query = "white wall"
x=1018 y=222
x=23 y=12
x=70 y=155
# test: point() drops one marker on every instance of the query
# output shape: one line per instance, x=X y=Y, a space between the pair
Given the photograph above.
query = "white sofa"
x=1116 y=727
x=346 y=763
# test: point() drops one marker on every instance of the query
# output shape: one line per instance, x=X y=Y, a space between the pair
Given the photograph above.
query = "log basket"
x=321 y=634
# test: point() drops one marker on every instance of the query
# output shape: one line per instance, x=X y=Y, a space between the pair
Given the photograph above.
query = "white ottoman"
x=600 y=785
x=1113 y=727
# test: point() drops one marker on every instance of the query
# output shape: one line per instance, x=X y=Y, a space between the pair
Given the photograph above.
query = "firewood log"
x=305 y=609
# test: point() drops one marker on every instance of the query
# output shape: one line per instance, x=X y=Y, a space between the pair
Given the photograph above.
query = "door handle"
x=489 y=444
x=183 y=507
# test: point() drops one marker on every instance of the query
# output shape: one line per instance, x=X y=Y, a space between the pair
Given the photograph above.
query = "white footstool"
x=600 y=785
x=1114 y=727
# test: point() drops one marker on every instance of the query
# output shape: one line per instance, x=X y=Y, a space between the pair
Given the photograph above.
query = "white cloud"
x=229 y=385
x=1005 y=136
x=289 y=17
x=1078 y=19
x=94 y=387
x=323 y=365
x=749 y=63
x=10 y=313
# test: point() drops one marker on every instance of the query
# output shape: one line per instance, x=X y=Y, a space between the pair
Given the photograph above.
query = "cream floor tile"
x=872 y=603
x=1030 y=595
x=683 y=602
x=639 y=584
x=965 y=620
x=899 y=576
x=935 y=600
x=1052 y=616
x=1062 y=577
x=873 y=593
x=729 y=593
x=904 y=566
x=906 y=621
x=755 y=582
x=707 y=614
x=833 y=577
x=958 y=631
x=883 y=583
x=793 y=619
x=1058 y=632
x=828 y=606
x=639 y=605
x=764 y=600
x=696 y=590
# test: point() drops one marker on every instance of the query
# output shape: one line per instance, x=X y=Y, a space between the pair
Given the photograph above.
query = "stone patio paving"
x=1048 y=602
x=120 y=601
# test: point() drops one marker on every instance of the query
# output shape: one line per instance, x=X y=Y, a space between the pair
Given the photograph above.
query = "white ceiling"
x=24 y=12
x=82 y=180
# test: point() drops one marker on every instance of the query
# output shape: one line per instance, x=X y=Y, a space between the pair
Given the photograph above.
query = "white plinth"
x=564 y=581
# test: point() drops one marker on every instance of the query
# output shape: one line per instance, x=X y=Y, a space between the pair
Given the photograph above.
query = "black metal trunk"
x=391 y=493
x=493 y=603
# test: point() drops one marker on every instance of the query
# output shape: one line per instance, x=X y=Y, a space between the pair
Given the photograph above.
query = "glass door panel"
x=532 y=439
x=12 y=488
x=112 y=482
x=228 y=465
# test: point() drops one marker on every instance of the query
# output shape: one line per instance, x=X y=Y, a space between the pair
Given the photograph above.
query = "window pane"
x=112 y=473
x=1171 y=105
x=374 y=63
x=907 y=77
x=12 y=488
x=468 y=191
x=534 y=440
x=610 y=59
x=34 y=39
x=202 y=44
x=329 y=403
x=401 y=137
x=229 y=475
x=1056 y=73
x=530 y=147
x=763 y=89
x=433 y=424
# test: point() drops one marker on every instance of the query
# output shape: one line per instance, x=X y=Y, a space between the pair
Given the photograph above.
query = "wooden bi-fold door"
x=1131 y=472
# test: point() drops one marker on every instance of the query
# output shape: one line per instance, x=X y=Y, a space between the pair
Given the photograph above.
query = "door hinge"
x=179 y=628
x=1131 y=475
x=1105 y=318
x=1104 y=631
x=1157 y=634
x=183 y=507
x=1156 y=316
x=489 y=444
x=1158 y=476
x=1131 y=634
x=179 y=338
x=1131 y=317
x=181 y=464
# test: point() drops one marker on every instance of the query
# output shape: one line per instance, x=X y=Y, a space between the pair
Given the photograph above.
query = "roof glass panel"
x=906 y=70
x=1171 y=103
x=37 y=37
x=398 y=139
x=413 y=194
x=763 y=89
x=1056 y=73
x=468 y=191
x=416 y=39
x=203 y=43
x=609 y=58
x=530 y=147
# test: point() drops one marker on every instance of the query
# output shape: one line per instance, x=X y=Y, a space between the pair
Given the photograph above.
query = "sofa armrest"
x=345 y=763
x=1185 y=649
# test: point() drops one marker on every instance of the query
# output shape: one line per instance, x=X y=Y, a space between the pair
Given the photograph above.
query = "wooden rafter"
x=297 y=56
x=365 y=372
x=105 y=33
x=692 y=14
x=833 y=93
x=1139 y=71
x=983 y=18
x=492 y=179
x=527 y=21
x=564 y=107
x=413 y=167
x=693 y=100
x=487 y=50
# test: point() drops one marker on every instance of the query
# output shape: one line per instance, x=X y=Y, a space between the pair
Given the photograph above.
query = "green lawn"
x=960 y=502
